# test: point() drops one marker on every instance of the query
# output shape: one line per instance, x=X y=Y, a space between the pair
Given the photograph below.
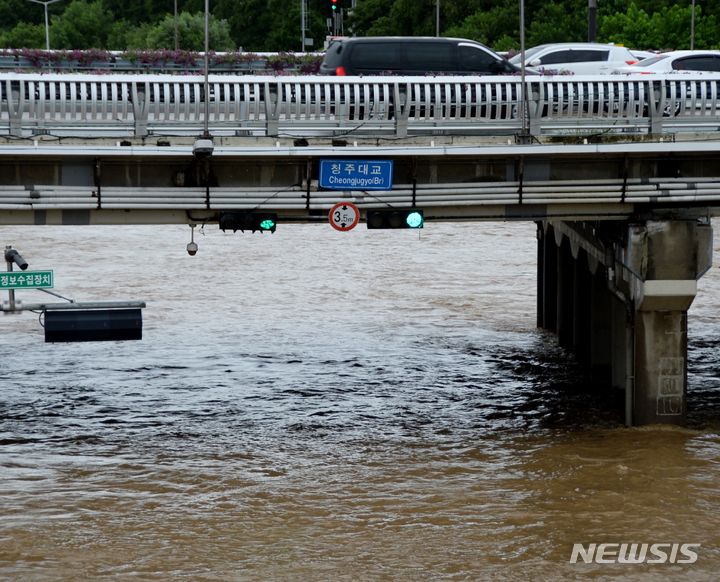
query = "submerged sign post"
x=26 y=280
x=72 y=321
x=356 y=174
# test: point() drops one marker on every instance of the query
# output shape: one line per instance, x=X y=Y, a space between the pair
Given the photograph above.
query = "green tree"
x=632 y=28
x=668 y=28
x=138 y=12
x=82 y=25
x=13 y=12
x=557 y=22
x=488 y=27
x=24 y=35
x=191 y=33
x=402 y=17
x=272 y=25
x=123 y=35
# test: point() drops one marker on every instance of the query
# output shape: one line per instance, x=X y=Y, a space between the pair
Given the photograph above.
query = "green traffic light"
x=267 y=224
x=414 y=219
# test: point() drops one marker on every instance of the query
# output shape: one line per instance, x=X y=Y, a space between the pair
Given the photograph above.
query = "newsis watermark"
x=619 y=553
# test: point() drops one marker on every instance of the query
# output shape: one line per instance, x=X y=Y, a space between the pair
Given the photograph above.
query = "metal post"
x=692 y=26
x=302 y=24
x=592 y=20
x=206 y=132
x=524 y=132
x=437 y=17
x=11 y=292
x=629 y=369
x=47 y=30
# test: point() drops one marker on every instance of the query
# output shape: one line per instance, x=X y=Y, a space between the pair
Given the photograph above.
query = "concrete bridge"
x=620 y=174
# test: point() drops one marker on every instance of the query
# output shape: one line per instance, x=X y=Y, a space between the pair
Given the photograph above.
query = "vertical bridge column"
x=665 y=258
x=618 y=297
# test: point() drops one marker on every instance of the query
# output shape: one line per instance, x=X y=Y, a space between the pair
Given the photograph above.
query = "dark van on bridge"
x=412 y=55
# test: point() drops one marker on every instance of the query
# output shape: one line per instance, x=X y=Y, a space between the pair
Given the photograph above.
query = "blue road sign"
x=356 y=174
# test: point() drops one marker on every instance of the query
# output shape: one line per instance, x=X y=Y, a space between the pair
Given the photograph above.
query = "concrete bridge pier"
x=617 y=295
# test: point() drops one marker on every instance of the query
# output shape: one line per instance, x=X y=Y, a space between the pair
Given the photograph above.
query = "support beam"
x=565 y=296
x=548 y=305
x=582 y=309
x=601 y=302
x=540 y=298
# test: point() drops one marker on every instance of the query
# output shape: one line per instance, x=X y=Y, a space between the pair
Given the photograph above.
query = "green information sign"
x=26 y=280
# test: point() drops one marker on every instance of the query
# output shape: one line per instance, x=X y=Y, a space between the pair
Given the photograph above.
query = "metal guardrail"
x=299 y=106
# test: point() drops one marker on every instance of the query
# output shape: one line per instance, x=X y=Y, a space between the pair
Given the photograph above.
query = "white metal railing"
x=575 y=192
x=139 y=105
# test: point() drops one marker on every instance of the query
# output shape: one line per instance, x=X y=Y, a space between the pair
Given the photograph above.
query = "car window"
x=430 y=56
x=332 y=56
x=475 y=59
x=591 y=56
x=650 y=61
x=376 y=56
x=574 y=56
x=529 y=54
x=555 y=57
x=699 y=63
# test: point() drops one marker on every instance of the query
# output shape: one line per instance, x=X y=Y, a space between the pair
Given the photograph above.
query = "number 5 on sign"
x=344 y=216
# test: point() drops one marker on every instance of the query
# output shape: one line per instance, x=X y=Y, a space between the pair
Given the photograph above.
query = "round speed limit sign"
x=344 y=216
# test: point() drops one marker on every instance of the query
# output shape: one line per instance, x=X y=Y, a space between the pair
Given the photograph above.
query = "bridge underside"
x=163 y=182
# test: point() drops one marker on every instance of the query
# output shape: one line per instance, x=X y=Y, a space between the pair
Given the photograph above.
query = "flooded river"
x=314 y=405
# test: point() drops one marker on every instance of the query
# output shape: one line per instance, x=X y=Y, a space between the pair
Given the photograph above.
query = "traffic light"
x=396 y=218
x=252 y=221
x=334 y=5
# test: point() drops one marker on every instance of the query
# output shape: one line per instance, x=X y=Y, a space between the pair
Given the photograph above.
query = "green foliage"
x=123 y=36
x=402 y=17
x=191 y=33
x=274 y=25
x=82 y=25
x=668 y=28
x=24 y=35
x=631 y=28
x=558 y=22
x=489 y=26
x=368 y=13
x=138 y=12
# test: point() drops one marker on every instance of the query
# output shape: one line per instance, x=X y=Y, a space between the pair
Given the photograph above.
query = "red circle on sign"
x=344 y=216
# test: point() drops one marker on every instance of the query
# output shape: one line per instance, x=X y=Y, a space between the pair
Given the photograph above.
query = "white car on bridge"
x=676 y=62
x=580 y=58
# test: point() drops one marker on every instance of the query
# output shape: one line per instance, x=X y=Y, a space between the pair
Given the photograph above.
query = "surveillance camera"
x=203 y=148
x=192 y=249
x=12 y=256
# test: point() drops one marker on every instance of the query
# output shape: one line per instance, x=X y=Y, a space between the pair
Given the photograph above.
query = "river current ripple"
x=313 y=405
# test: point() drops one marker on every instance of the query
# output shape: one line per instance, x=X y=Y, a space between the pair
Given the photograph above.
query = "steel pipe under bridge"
x=139 y=106
x=81 y=182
